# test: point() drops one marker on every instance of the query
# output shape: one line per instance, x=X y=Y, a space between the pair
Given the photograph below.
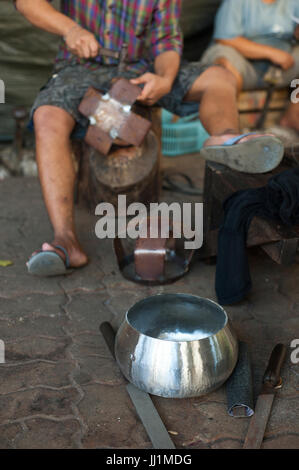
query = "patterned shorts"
x=68 y=84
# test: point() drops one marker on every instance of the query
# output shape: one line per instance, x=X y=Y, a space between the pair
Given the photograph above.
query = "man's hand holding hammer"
x=81 y=42
x=40 y=13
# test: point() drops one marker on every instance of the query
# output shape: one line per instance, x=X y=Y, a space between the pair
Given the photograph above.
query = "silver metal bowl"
x=176 y=345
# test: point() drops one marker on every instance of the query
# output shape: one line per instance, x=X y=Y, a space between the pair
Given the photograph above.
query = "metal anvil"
x=111 y=116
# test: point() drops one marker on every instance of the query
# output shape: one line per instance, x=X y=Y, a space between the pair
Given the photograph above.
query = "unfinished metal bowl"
x=176 y=345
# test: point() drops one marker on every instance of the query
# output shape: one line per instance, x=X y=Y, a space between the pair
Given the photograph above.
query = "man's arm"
x=167 y=65
x=41 y=14
x=253 y=50
x=160 y=83
x=166 y=44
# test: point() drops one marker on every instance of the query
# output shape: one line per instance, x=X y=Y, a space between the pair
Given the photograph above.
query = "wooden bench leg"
x=282 y=252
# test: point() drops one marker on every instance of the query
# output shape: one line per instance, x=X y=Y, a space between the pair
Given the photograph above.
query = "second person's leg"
x=216 y=91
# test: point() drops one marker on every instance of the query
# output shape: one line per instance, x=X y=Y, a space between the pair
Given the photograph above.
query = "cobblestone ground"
x=59 y=387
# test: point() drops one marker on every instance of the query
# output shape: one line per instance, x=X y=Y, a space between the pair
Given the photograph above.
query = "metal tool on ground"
x=271 y=382
x=153 y=261
x=143 y=404
x=239 y=387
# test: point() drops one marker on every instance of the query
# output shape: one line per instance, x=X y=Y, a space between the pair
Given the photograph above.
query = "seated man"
x=251 y=35
x=151 y=30
x=256 y=41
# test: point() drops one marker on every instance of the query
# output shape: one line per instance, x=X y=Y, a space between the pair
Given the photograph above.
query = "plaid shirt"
x=149 y=27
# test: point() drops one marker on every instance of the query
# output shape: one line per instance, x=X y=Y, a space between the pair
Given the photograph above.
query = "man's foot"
x=249 y=153
x=77 y=257
x=221 y=139
x=57 y=258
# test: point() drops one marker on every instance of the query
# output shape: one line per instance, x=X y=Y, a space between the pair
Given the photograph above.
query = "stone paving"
x=59 y=387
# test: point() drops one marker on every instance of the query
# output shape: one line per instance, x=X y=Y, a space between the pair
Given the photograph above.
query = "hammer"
x=121 y=56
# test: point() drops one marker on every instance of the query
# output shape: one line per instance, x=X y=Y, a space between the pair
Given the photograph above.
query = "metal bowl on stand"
x=176 y=345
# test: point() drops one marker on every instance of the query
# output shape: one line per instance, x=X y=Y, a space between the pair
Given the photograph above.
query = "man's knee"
x=49 y=120
x=220 y=76
x=223 y=61
x=228 y=65
x=213 y=78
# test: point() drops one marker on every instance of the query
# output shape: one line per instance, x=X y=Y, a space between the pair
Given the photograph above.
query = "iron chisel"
x=271 y=382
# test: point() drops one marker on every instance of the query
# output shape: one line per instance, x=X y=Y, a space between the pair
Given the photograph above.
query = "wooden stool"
x=279 y=242
x=133 y=171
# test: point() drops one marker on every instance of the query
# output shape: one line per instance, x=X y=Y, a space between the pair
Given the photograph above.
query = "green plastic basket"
x=186 y=135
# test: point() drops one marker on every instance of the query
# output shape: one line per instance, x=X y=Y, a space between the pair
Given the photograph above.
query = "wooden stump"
x=133 y=171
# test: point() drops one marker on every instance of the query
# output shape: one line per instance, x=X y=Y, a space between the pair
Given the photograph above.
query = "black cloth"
x=278 y=201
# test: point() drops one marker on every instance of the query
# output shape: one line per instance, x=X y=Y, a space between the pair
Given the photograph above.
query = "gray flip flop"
x=49 y=263
x=259 y=155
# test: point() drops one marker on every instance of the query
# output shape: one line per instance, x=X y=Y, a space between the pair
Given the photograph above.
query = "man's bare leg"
x=53 y=127
x=216 y=89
